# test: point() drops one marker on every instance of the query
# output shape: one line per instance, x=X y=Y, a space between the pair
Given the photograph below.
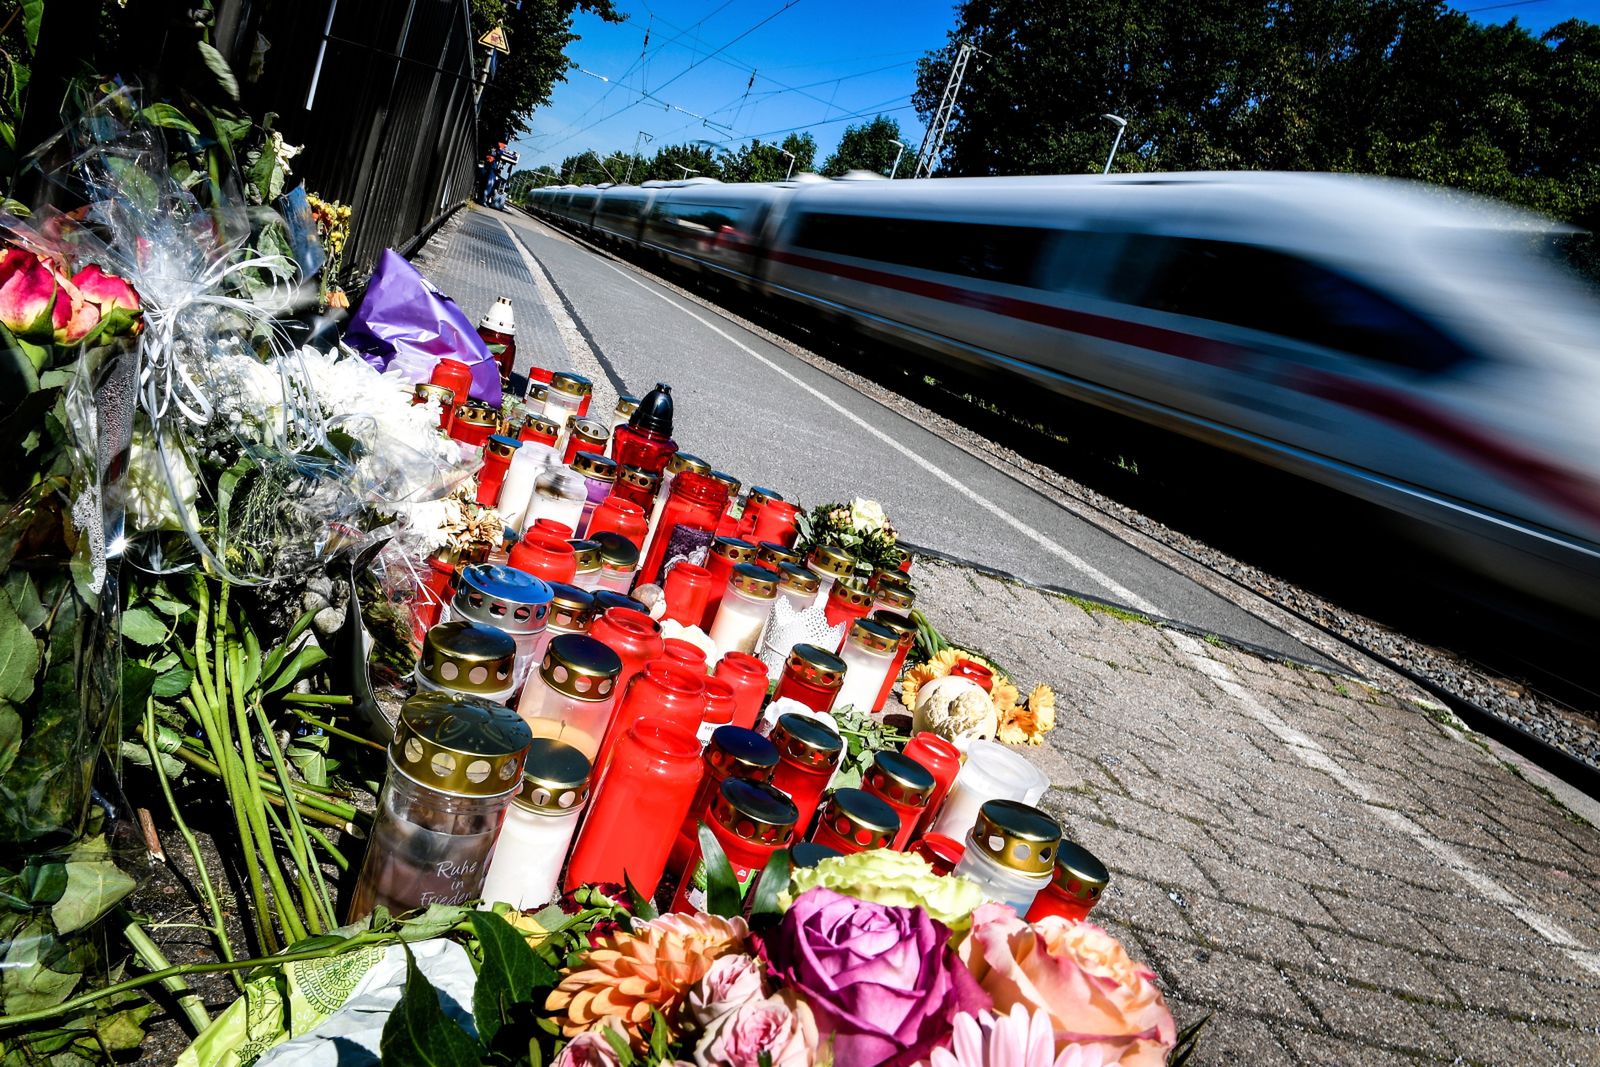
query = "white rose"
x=866 y=516
x=153 y=501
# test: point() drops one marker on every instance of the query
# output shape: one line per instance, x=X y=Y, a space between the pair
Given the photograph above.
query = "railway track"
x=1512 y=671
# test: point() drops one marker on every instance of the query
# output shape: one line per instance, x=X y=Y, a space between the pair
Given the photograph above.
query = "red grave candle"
x=694 y=505
x=455 y=376
x=853 y=820
x=906 y=630
x=633 y=635
x=637 y=807
x=544 y=555
x=941 y=852
x=664 y=691
x=848 y=600
x=497 y=453
x=685 y=654
x=1075 y=886
x=722 y=704
x=731 y=752
x=750 y=821
x=904 y=785
x=941 y=759
x=812 y=676
x=687 y=588
x=620 y=516
x=808 y=752
x=776 y=522
x=748 y=677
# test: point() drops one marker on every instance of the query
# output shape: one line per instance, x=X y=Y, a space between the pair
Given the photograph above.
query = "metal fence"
x=380 y=93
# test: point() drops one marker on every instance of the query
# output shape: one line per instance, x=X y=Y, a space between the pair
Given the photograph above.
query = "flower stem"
x=207 y=890
x=328 y=727
x=75 y=1004
x=151 y=956
x=317 y=698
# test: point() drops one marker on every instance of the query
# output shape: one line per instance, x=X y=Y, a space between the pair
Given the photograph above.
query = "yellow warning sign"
x=496 y=39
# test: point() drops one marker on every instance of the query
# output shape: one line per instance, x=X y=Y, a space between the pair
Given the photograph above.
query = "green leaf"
x=142 y=627
x=10 y=736
x=167 y=116
x=172 y=683
x=420 y=1034
x=437 y=919
x=168 y=606
x=27 y=980
x=136 y=682
x=774 y=881
x=307 y=659
x=94 y=886
x=722 y=888
x=507 y=976
x=32 y=15
x=25 y=599
x=641 y=906
x=219 y=67
x=19 y=655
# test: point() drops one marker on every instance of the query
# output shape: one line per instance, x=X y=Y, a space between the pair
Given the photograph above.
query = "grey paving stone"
x=1231 y=983
x=1364 y=1015
x=1239 y=1039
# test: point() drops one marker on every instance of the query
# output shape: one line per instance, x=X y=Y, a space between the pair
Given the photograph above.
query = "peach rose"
x=1095 y=994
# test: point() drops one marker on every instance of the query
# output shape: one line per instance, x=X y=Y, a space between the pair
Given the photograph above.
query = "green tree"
x=763 y=161
x=869 y=146
x=538 y=32
x=668 y=159
x=1407 y=88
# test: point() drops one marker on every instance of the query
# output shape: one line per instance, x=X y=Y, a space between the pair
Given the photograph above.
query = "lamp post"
x=1122 y=126
x=897 y=157
x=686 y=171
x=790 y=154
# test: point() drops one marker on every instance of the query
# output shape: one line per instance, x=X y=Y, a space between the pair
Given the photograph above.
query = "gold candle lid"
x=898 y=597
x=728 y=480
x=569 y=607
x=538 y=393
x=830 y=559
x=851 y=591
x=432 y=391
x=626 y=405
x=543 y=425
x=468 y=657
x=461 y=745
x=899 y=778
x=571 y=384
x=639 y=478
x=806 y=741
x=477 y=413
x=760 y=494
x=755 y=581
x=754 y=811
x=1017 y=836
x=501 y=447
x=771 y=553
x=799 y=579
x=904 y=628
x=617 y=553
x=858 y=816
x=578 y=666
x=816 y=665
x=874 y=637
x=882 y=575
x=679 y=462
x=594 y=465
x=738 y=752
x=587 y=555
x=733 y=549
x=1078 y=874
x=555 y=778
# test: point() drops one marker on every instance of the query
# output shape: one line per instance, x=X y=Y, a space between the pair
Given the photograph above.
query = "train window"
x=1009 y=254
x=1262 y=289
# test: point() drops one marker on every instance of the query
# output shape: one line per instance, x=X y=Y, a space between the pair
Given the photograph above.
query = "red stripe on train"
x=1564 y=488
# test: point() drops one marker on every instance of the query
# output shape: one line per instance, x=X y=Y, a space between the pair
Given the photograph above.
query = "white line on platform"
x=1316 y=757
x=1116 y=589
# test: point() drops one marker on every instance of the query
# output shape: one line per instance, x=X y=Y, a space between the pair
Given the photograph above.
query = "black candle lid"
x=654 y=411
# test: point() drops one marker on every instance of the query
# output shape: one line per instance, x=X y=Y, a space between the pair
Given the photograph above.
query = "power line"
x=1496 y=7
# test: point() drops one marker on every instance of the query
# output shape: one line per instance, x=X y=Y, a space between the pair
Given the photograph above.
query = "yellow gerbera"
x=916 y=677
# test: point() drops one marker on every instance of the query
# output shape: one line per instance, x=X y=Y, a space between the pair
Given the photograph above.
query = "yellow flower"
x=525 y=924
x=1042 y=702
x=923 y=673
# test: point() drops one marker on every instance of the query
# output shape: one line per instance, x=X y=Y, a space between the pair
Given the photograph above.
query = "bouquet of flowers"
x=860 y=527
x=958 y=711
x=864 y=959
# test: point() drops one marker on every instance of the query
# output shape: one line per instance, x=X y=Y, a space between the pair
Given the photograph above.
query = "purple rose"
x=882 y=981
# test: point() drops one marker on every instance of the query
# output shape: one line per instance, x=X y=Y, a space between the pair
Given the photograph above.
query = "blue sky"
x=816 y=64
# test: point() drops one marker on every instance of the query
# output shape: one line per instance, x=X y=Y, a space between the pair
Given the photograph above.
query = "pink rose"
x=588 y=1049
x=732 y=982
x=781 y=1027
x=94 y=303
x=1097 y=997
x=881 y=980
x=27 y=293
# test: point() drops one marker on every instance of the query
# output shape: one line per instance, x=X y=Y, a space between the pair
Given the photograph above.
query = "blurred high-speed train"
x=1426 y=351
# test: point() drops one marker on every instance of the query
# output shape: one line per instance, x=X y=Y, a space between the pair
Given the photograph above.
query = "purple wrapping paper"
x=405 y=326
